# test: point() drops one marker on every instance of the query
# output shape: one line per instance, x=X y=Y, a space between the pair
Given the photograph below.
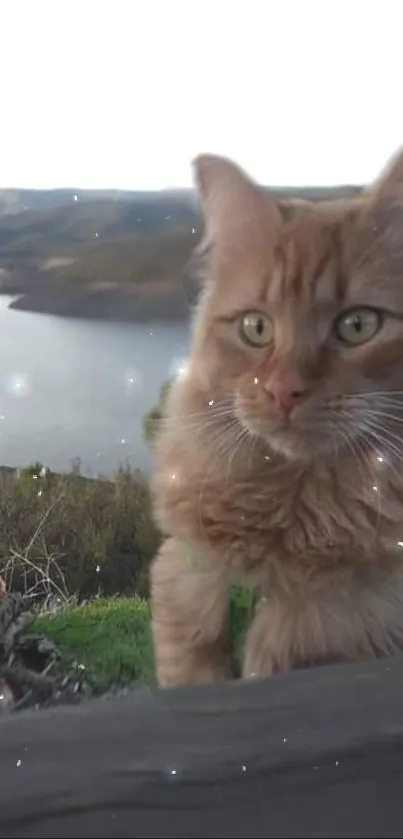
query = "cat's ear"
x=386 y=203
x=233 y=205
x=391 y=179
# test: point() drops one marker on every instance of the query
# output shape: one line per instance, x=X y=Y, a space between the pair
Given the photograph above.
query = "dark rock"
x=33 y=672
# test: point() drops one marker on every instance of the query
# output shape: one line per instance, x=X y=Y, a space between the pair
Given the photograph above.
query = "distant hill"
x=16 y=201
x=107 y=252
x=63 y=225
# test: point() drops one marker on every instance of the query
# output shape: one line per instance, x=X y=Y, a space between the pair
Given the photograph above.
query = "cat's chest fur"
x=318 y=516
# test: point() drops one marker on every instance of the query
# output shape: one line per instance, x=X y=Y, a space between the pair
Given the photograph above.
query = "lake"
x=73 y=388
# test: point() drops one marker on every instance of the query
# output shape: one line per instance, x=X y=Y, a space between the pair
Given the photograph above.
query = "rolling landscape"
x=107 y=254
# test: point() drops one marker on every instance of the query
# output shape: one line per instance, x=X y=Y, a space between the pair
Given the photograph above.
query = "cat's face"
x=300 y=332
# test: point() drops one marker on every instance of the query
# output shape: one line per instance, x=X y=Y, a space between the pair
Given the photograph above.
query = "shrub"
x=152 y=420
x=67 y=535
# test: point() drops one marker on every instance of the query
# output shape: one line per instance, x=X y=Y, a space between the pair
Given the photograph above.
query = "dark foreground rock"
x=311 y=753
x=33 y=672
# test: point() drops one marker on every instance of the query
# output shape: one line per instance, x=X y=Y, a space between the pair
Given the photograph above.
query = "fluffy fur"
x=304 y=506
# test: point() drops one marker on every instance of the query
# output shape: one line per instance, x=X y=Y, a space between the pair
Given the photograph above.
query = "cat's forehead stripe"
x=307 y=267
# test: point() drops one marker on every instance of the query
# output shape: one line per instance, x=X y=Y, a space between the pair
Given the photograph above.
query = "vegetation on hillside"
x=83 y=230
x=61 y=228
x=64 y=536
x=139 y=258
x=152 y=420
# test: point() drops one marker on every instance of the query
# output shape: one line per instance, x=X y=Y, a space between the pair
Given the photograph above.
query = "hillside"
x=106 y=253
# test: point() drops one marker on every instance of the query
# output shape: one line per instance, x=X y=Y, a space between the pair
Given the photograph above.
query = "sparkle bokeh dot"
x=178 y=368
x=133 y=380
x=18 y=384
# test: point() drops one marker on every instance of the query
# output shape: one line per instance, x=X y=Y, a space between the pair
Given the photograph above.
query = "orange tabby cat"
x=280 y=462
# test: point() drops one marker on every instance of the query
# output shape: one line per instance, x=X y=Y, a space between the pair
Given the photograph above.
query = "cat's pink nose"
x=286 y=393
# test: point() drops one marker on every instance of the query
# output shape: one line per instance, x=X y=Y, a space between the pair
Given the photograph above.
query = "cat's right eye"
x=256 y=329
x=359 y=325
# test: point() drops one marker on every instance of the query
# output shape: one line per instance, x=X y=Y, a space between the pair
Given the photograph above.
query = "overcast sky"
x=124 y=93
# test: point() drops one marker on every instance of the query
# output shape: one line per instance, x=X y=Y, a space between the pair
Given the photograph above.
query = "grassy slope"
x=112 y=638
x=134 y=258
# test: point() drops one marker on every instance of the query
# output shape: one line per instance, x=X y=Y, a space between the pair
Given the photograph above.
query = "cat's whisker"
x=375 y=423
x=381 y=399
x=223 y=401
x=382 y=439
x=200 y=416
x=378 y=404
x=346 y=431
x=383 y=415
x=222 y=450
x=217 y=410
x=370 y=393
x=220 y=439
x=199 y=425
x=229 y=440
x=365 y=393
x=371 y=417
x=379 y=440
x=393 y=407
x=349 y=425
x=381 y=435
x=242 y=437
x=356 y=441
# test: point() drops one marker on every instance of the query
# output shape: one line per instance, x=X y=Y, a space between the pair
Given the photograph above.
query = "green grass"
x=112 y=637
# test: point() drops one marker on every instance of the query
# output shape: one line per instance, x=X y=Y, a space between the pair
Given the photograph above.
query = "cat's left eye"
x=256 y=329
x=358 y=325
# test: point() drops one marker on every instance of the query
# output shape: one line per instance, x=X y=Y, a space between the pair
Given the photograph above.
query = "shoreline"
x=101 y=303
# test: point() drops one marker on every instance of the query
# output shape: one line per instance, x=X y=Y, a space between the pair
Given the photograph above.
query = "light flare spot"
x=18 y=384
x=134 y=380
x=183 y=370
x=178 y=368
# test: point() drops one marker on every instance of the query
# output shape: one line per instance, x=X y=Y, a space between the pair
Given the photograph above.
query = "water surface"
x=73 y=388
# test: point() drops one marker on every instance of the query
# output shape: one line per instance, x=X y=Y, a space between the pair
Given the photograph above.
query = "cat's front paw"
x=192 y=672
